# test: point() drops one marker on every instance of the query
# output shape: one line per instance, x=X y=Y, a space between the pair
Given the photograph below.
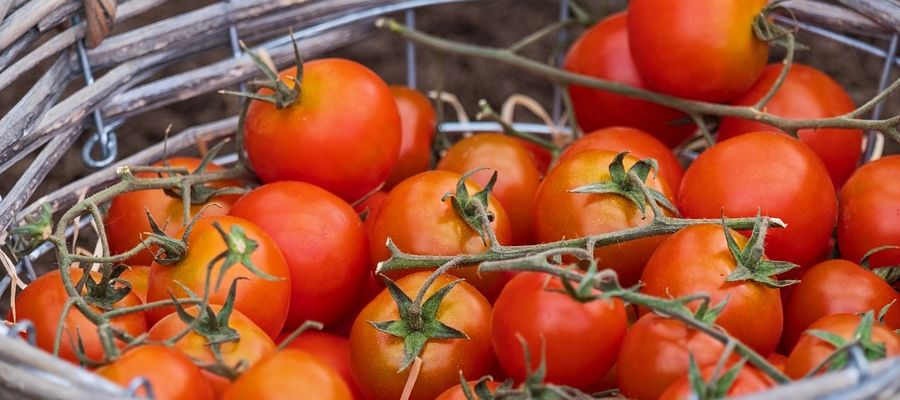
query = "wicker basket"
x=44 y=124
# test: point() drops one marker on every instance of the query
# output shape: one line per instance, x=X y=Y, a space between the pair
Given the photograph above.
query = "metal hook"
x=136 y=384
x=103 y=135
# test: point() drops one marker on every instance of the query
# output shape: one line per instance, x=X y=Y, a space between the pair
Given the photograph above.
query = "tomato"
x=342 y=133
x=656 y=352
x=769 y=173
x=137 y=276
x=542 y=156
x=418 y=121
x=805 y=93
x=456 y=392
x=777 y=361
x=370 y=206
x=810 y=351
x=419 y=222
x=42 y=301
x=748 y=381
x=264 y=301
x=529 y=306
x=832 y=287
x=716 y=60
x=324 y=243
x=288 y=374
x=172 y=375
x=638 y=143
x=869 y=203
x=602 y=52
x=332 y=349
x=560 y=214
x=126 y=221
x=696 y=259
x=375 y=356
x=518 y=176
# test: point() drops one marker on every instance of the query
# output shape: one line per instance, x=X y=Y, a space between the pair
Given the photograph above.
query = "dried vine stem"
x=850 y=120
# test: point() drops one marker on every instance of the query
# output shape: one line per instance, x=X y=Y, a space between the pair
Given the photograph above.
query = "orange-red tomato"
x=370 y=206
x=342 y=134
x=419 y=222
x=137 y=276
x=833 y=287
x=810 y=351
x=332 y=349
x=638 y=143
x=323 y=241
x=456 y=392
x=777 y=360
x=126 y=221
x=869 y=204
x=418 y=120
x=265 y=302
x=289 y=374
x=602 y=52
x=696 y=259
x=805 y=93
x=518 y=176
x=542 y=156
x=42 y=301
x=560 y=214
x=748 y=381
x=172 y=374
x=656 y=352
x=716 y=60
x=375 y=356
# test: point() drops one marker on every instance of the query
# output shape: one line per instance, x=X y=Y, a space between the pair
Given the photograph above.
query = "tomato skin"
x=371 y=205
x=263 y=301
x=638 y=143
x=518 y=176
x=769 y=173
x=418 y=222
x=42 y=301
x=456 y=392
x=667 y=43
x=526 y=307
x=749 y=380
x=332 y=349
x=833 y=287
x=172 y=375
x=602 y=52
x=287 y=374
x=126 y=221
x=867 y=201
x=777 y=360
x=137 y=276
x=656 y=352
x=323 y=241
x=541 y=155
x=418 y=120
x=560 y=214
x=696 y=259
x=349 y=138
x=810 y=351
x=375 y=356
x=806 y=93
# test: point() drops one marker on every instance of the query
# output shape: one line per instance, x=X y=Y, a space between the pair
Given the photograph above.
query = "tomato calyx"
x=36 y=230
x=473 y=209
x=200 y=193
x=482 y=390
x=718 y=385
x=108 y=290
x=283 y=95
x=240 y=249
x=630 y=184
x=418 y=323
x=860 y=340
x=890 y=274
x=171 y=250
x=751 y=265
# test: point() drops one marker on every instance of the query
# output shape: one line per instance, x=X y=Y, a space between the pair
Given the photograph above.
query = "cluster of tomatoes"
x=344 y=164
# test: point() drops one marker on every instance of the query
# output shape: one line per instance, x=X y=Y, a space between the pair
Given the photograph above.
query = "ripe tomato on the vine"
x=869 y=203
x=332 y=349
x=418 y=121
x=172 y=374
x=749 y=380
x=371 y=206
x=289 y=374
x=456 y=392
x=137 y=276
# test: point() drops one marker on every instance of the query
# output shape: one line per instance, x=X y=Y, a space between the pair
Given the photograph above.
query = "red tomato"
x=137 y=276
x=342 y=133
x=748 y=381
x=771 y=173
x=126 y=221
x=418 y=120
x=456 y=392
x=602 y=52
x=656 y=352
x=560 y=214
x=777 y=361
x=375 y=356
x=419 y=222
x=324 y=243
x=542 y=156
x=810 y=351
x=806 y=93
x=640 y=144
x=869 y=203
x=518 y=176
x=290 y=374
x=332 y=349
x=265 y=302
x=172 y=375
x=696 y=259
x=832 y=287
x=371 y=206
x=529 y=307
x=716 y=60
x=42 y=302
